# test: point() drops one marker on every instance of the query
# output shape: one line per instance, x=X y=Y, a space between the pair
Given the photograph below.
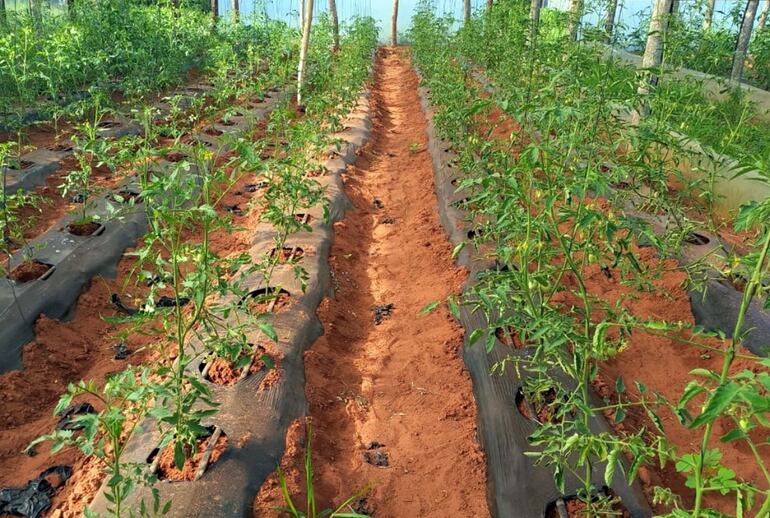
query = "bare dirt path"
x=396 y=392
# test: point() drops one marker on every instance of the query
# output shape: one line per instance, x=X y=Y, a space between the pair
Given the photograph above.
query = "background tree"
x=575 y=14
x=335 y=24
x=467 y=10
x=394 y=24
x=609 y=20
x=763 y=17
x=653 y=56
x=236 y=8
x=708 y=16
x=306 y=26
x=215 y=10
x=534 y=18
x=744 y=37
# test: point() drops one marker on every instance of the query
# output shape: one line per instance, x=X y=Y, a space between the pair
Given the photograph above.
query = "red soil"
x=167 y=469
x=400 y=384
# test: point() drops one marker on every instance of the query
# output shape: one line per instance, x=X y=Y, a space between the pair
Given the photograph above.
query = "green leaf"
x=269 y=331
x=429 y=308
x=476 y=335
x=721 y=398
x=179 y=456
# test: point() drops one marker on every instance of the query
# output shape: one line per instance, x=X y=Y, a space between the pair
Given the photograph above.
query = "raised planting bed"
x=517 y=486
x=75 y=259
x=256 y=410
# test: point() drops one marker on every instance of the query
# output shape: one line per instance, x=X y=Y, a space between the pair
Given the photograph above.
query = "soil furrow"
x=391 y=404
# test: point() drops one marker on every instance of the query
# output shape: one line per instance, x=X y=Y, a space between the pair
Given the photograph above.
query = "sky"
x=381 y=9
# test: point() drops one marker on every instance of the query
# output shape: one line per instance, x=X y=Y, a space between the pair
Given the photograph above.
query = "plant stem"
x=729 y=357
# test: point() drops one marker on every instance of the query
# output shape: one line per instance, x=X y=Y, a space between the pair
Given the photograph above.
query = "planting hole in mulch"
x=226 y=122
x=121 y=351
x=208 y=450
x=233 y=209
x=387 y=220
x=29 y=271
x=465 y=204
x=694 y=238
x=61 y=147
x=170 y=302
x=68 y=415
x=303 y=218
x=509 y=337
x=212 y=131
x=116 y=301
x=471 y=234
x=176 y=156
x=362 y=506
x=266 y=301
x=127 y=197
x=23 y=165
x=382 y=312
x=544 y=410
x=34 y=499
x=377 y=203
x=621 y=185
x=77 y=198
x=315 y=173
x=574 y=507
x=375 y=455
x=84 y=229
x=108 y=124
x=254 y=187
x=221 y=371
x=288 y=254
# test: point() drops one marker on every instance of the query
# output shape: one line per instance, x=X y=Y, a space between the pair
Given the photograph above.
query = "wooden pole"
x=653 y=56
x=708 y=16
x=534 y=18
x=335 y=24
x=744 y=37
x=609 y=20
x=394 y=24
x=308 y=23
x=575 y=14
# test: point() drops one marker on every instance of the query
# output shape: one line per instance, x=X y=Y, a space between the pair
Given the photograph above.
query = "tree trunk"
x=467 y=11
x=708 y=16
x=575 y=15
x=609 y=20
x=394 y=24
x=306 y=25
x=653 y=56
x=236 y=8
x=534 y=18
x=489 y=5
x=301 y=16
x=215 y=10
x=763 y=17
x=3 y=18
x=744 y=37
x=335 y=24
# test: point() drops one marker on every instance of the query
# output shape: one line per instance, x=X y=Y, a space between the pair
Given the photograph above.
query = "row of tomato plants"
x=256 y=60
x=536 y=205
x=54 y=62
x=183 y=207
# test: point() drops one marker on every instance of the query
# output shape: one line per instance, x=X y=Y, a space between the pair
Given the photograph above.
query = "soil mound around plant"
x=167 y=469
x=28 y=271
